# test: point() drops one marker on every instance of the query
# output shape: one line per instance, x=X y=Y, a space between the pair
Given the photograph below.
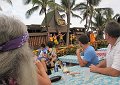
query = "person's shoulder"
x=90 y=49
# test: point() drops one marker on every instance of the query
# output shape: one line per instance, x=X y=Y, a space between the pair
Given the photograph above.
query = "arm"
x=80 y=60
x=52 y=60
x=43 y=78
x=106 y=71
x=53 y=57
x=63 y=34
x=102 y=64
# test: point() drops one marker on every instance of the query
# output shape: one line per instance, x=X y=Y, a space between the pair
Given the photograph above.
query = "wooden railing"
x=36 y=39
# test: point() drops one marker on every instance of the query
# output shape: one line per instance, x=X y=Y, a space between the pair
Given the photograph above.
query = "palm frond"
x=108 y=12
x=72 y=3
x=75 y=15
x=42 y=11
x=64 y=3
x=84 y=15
x=55 y=6
x=61 y=8
x=52 y=5
x=30 y=11
x=38 y=2
x=94 y=2
x=99 y=20
x=80 y=6
x=115 y=17
x=25 y=2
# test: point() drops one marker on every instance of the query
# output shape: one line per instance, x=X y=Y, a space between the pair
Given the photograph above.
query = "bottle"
x=65 y=69
x=56 y=68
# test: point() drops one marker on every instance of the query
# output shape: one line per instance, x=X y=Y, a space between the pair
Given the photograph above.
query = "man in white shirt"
x=111 y=65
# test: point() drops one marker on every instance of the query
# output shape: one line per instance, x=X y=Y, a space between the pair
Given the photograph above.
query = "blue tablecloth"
x=84 y=78
x=71 y=59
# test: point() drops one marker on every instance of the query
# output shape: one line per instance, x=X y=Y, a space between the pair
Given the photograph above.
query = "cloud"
x=19 y=10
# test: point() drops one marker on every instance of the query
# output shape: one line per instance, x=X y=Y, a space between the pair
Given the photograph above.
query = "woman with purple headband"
x=16 y=58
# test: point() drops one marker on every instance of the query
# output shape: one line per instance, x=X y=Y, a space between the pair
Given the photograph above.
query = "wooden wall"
x=36 y=39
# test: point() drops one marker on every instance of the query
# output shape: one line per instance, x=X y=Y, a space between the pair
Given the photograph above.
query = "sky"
x=18 y=10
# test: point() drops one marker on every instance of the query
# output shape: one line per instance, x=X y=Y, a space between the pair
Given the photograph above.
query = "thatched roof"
x=54 y=22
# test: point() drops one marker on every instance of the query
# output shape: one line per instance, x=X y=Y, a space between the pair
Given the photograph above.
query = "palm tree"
x=8 y=1
x=91 y=5
x=87 y=10
x=98 y=24
x=39 y=4
x=67 y=6
x=83 y=8
x=101 y=16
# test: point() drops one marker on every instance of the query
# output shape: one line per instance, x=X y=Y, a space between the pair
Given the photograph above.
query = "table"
x=102 y=49
x=69 y=59
x=101 y=54
x=72 y=59
x=84 y=78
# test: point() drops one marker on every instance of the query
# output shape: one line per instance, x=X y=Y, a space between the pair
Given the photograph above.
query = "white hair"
x=17 y=63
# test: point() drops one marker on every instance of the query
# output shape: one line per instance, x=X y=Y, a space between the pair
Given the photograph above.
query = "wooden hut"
x=39 y=34
x=55 y=23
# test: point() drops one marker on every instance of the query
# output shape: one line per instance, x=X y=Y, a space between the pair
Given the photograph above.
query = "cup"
x=87 y=74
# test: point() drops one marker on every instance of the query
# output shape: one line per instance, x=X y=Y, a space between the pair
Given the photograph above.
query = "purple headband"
x=15 y=43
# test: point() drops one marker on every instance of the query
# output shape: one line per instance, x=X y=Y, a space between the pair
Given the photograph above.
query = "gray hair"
x=112 y=28
x=17 y=63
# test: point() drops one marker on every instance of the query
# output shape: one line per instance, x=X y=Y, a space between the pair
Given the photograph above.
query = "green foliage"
x=69 y=50
x=99 y=44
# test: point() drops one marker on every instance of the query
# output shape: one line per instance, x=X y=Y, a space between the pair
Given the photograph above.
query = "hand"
x=93 y=68
x=34 y=58
x=39 y=65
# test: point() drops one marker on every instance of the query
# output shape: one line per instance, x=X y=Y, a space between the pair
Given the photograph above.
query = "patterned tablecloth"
x=69 y=59
x=101 y=52
x=84 y=78
x=72 y=59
